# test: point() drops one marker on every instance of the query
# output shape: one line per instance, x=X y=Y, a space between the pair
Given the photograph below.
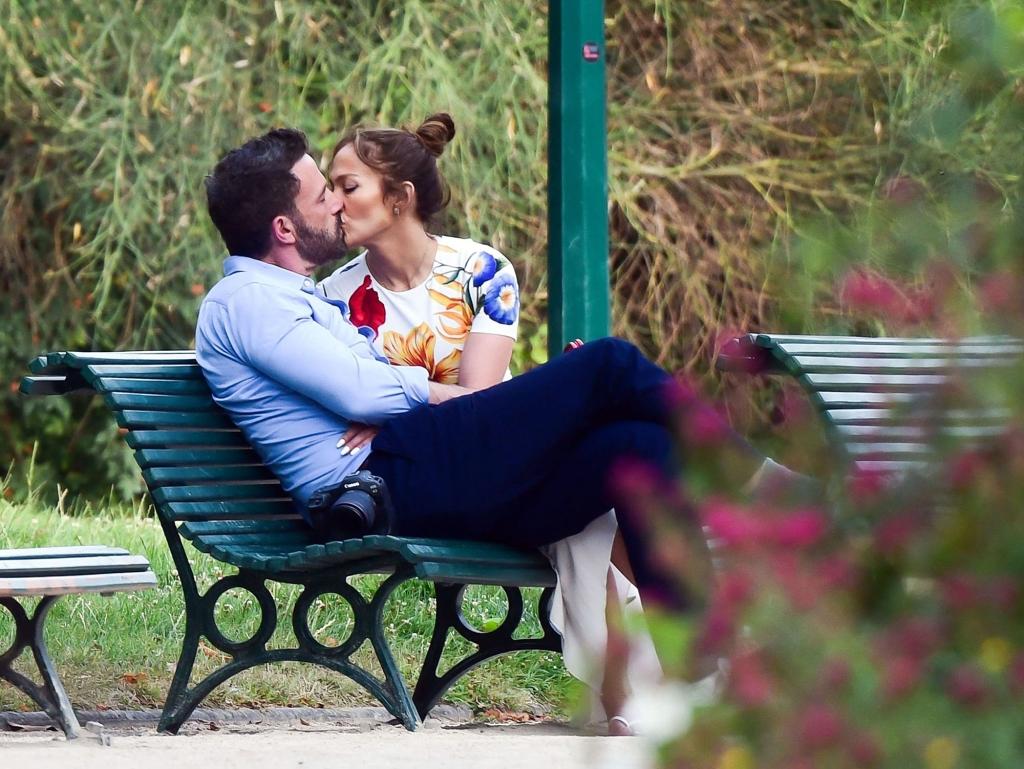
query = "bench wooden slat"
x=52 y=385
x=174 y=457
x=45 y=566
x=70 y=585
x=159 y=439
x=125 y=384
x=192 y=529
x=205 y=474
x=96 y=374
x=222 y=510
x=477 y=574
x=218 y=492
x=201 y=403
x=136 y=419
x=50 y=362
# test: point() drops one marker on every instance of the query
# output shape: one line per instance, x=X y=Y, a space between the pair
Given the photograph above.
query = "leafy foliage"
x=725 y=130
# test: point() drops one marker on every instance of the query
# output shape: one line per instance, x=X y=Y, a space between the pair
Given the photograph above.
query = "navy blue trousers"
x=530 y=461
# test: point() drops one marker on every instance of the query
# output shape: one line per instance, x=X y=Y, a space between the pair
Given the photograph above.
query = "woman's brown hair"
x=400 y=156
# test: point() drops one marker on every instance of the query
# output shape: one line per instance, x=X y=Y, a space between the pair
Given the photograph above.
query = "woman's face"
x=365 y=213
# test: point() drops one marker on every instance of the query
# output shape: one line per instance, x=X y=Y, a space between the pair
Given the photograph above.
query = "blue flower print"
x=341 y=304
x=501 y=302
x=483 y=265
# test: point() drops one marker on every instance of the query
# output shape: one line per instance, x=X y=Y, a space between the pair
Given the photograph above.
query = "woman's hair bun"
x=435 y=132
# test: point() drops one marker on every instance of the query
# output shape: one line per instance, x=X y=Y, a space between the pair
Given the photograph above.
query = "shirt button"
x=307 y=283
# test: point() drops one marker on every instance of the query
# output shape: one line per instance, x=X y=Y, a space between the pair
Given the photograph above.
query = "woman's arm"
x=485 y=360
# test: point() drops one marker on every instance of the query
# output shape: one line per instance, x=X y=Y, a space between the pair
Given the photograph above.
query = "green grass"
x=120 y=652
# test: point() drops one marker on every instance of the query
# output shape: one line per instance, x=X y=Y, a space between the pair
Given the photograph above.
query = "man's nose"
x=337 y=203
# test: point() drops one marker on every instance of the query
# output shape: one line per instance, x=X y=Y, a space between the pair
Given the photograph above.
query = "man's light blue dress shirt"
x=291 y=370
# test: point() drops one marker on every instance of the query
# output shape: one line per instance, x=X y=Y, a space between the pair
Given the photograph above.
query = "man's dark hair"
x=253 y=184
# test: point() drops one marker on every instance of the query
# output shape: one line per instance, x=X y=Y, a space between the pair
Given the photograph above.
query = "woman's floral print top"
x=472 y=289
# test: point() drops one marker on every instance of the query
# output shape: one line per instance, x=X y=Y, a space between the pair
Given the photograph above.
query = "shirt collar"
x=271 y=272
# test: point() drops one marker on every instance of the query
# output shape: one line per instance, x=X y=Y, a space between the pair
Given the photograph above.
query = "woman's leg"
x=496 y=446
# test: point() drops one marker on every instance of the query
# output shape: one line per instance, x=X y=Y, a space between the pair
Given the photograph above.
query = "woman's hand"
x=356 y=436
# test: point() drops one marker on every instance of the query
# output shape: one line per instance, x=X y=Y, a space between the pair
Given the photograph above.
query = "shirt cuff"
x=414 y=383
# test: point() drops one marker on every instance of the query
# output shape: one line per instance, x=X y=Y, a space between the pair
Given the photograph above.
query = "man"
x=526 y=462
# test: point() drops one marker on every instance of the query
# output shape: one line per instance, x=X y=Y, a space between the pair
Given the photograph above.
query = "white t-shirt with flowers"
x=472 y=288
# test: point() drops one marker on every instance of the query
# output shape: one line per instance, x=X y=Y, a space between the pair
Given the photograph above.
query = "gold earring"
x=396 y=210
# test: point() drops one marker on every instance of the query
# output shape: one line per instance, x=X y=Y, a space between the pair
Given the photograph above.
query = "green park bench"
x=880 y=399
x=48 y=573
x=210 y=489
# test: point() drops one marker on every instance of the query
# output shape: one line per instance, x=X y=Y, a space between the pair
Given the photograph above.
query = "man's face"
x=318 y=235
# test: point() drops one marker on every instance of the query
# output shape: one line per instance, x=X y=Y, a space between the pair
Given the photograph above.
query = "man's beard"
x=318 y=247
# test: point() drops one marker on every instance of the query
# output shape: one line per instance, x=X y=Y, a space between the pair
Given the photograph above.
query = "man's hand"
x=439 y=393
x=356 y=436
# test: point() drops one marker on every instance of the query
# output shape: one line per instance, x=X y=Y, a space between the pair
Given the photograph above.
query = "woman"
x=451 y=306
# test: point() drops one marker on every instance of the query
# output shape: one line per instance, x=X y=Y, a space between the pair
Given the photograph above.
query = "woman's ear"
x=403 y=199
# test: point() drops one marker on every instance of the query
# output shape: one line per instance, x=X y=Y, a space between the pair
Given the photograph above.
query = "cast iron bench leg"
x=430 y=686
x=28 y=633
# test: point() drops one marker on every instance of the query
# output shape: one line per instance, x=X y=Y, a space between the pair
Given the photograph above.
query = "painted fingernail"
x=355 y=451
x=341 y=443
x=345 y=450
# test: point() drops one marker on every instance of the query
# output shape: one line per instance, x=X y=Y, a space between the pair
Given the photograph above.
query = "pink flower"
x=837 y=572
x=799 y=529
x=820 y=726
x=703 y=427
x=916 y=637
x=865 y=486
x=835 y=676
x=896 y=532
x=863 y=291
x=750 y=681
x=734 y=589
x=961 y=591
x=968 y=686
x=731 y=524
x=900 y=675
x=718 y=630
x=963 y=468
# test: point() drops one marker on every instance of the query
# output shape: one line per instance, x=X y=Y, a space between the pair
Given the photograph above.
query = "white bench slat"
x=869 y=348
x=77 y=551
x=869 y=382
x=44 y=566
x=69 y=585
x=812 y=364
x=766 y=340
x=973 y=418
x=906 y=432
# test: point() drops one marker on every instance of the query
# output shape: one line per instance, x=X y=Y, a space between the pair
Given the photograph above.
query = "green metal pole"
x=578 y=282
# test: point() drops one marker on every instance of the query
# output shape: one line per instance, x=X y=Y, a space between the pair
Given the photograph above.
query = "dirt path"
x=527 y=746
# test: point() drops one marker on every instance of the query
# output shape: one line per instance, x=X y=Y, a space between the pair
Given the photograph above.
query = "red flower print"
x=366 y=307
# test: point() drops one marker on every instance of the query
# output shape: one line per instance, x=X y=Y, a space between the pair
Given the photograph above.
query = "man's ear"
x=282 y=230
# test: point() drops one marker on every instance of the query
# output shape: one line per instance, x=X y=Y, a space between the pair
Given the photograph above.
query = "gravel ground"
x=362 y=739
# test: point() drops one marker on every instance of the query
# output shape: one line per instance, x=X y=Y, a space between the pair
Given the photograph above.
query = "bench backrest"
x=880 y=399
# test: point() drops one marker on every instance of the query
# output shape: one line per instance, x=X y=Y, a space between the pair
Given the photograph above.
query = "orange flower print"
x=454 y=317
x=417 y=349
